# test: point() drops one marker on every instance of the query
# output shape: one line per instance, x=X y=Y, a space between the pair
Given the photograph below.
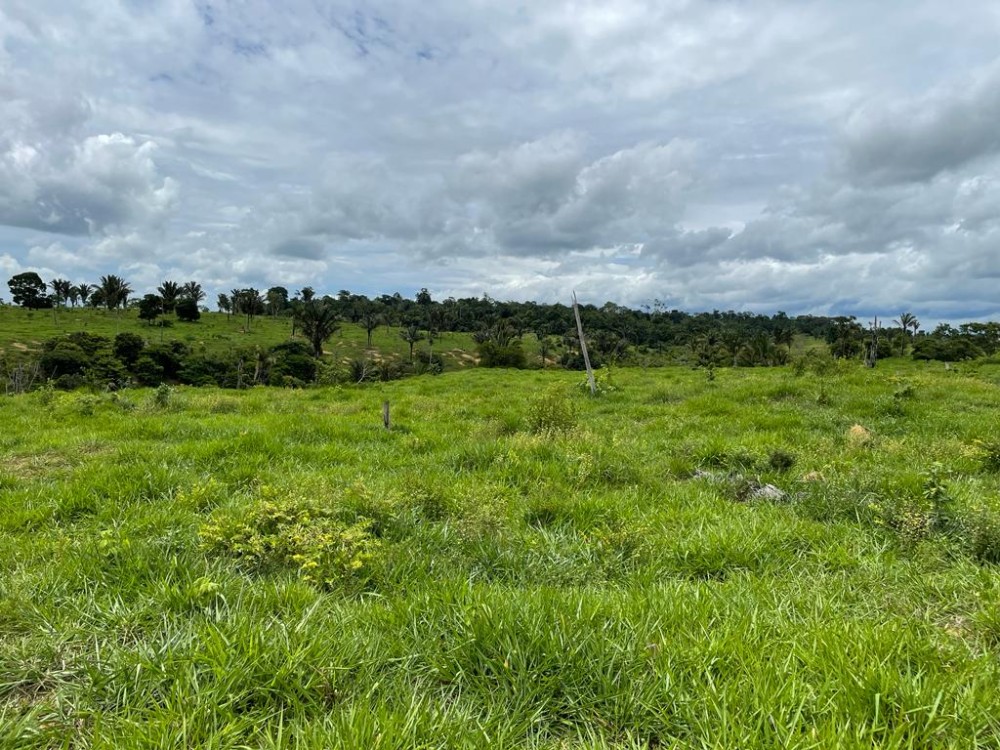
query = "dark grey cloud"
x=300 y=248
x=916 y=139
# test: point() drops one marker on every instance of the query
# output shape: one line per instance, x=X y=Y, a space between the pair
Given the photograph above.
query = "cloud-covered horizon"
x=815 y=157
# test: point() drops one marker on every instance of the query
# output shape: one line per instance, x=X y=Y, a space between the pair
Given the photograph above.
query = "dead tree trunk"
x=871 y=346
x=583 y=348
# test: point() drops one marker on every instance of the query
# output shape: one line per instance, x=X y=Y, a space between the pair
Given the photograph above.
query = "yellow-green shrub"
x=292 y=531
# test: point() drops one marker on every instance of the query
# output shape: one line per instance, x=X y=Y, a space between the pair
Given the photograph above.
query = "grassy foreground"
x=512 y=565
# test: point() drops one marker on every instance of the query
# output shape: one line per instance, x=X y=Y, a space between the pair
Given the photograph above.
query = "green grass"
x=538 y=576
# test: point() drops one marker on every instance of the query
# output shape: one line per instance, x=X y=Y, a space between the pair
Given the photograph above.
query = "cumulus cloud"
x=102 y=181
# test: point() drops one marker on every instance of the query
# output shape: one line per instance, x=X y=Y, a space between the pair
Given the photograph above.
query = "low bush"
x=289 y=531
x=553 y=411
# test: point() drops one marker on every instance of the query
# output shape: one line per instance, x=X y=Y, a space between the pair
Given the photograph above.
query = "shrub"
x=292 y=362
x=553 y=411
x=388 y=369
x=63 y=359
x=289 y=531
x=575 y=361
x=428 y=364
x=603 y=383
x=148 y=371
x=983 y=534
x=168 y=356
x=945 y=348
x=915 y=515
x=161 y=397
x=187 y=310
x=203 y=370
x=106 y=370
x=128 y=347
x=989 y=455
x=817 y=361
x=91 y=343
x=361 y=370
x=492 y=354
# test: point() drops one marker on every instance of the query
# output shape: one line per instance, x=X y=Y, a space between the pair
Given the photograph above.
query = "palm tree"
x=224 y=304
x=169 y=292
x=192 y=290
x=115 y=291
x=84 y=290
x=370 y=320
x=906 y=321
x=318 y=321
x=411 y=335
x=60 y=290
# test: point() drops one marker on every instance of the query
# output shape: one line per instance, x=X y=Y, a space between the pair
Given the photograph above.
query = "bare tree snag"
x=583 y=348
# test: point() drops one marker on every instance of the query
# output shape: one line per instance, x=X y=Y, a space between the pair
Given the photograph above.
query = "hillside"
x=216 y=333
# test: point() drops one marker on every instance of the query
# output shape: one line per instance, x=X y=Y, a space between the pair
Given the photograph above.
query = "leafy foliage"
x=28 y=290
x=282 y=530
x=319 y=322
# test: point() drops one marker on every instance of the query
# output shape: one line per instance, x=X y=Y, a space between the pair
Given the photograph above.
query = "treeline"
x=615 y=333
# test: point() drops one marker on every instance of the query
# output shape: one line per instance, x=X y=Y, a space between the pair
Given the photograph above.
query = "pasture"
x=513 y=564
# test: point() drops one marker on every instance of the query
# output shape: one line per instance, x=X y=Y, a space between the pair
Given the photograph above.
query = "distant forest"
x=614 y=333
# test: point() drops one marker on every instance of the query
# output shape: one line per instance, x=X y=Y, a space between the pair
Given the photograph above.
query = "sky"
x=823 y=157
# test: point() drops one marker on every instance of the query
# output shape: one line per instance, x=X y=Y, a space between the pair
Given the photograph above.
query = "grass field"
x=513 y=564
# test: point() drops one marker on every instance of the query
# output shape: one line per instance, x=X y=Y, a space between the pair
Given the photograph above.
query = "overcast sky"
x=828 y=157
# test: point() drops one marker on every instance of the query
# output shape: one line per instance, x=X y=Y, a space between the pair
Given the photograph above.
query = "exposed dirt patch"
x=33 y=465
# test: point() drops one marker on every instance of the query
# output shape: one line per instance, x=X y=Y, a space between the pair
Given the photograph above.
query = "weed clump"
x=859 y=437
x=916 y=515
x=780 y=460
x=290 y=531
x=989 y=455
x=163 y=395
x=603 y=382
x=553 y=411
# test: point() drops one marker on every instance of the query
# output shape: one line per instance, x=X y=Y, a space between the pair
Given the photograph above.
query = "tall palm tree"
x=193 y=290
x=906 y=321
x=411 y=335
x=318 y=321
x=115 y=291
x=60 y=290
x=370 y=320
x=224 y=304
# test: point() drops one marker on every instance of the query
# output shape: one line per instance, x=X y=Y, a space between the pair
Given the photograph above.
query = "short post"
x=385 y=414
